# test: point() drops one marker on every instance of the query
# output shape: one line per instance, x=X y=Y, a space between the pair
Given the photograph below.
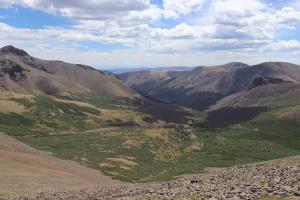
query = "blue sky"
x=137 y=33
x=21 y=17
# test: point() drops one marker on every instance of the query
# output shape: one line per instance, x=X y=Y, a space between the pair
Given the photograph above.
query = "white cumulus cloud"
x=227 y=28
x=176 y=8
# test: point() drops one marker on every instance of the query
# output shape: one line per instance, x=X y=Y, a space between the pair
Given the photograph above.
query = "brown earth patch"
x=123 y=160
x=26 y=170
x=8 y=106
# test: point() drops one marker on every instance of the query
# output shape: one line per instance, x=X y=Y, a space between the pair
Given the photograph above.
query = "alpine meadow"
x=149 y=99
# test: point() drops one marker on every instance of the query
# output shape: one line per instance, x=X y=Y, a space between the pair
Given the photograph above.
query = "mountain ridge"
x=208 y=84
x=37 y=76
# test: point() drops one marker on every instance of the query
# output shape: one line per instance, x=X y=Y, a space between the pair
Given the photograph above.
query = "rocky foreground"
x=277 y=179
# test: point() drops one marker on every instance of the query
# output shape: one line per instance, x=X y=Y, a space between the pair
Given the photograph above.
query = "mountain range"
x=143 y=126
x=134 y=69
x=233 y=84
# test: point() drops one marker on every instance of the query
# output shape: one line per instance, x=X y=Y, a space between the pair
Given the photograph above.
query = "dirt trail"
x=25 y=170
x=98 y=130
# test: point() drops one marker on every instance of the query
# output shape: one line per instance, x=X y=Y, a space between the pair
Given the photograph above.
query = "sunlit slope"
x=25 y=170
x=24 y=73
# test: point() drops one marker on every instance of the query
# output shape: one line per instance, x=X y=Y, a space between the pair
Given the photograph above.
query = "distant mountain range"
x=129 y=69
x=237 y=84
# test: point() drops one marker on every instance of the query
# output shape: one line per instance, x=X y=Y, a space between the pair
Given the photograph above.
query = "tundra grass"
x=130 y=155
x=264 y=138
x=148 y=154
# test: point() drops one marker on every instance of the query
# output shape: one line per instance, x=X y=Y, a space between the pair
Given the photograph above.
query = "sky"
x=149 y=33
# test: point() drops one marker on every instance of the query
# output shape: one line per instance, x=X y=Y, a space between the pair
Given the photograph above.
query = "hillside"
x=26 y=170
x=269 y=95
x=197 y=88
x=243 y=78
x=271 y=180
x=204 y=86
x=21 y=72
x=78 y=113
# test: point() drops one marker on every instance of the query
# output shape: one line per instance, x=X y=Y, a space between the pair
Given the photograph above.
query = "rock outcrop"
x=267 y=80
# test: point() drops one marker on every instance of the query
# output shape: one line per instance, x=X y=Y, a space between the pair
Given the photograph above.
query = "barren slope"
x=24 y=170
x=204 y=86
x=24 y=73
x=197 y=88
x=271 y=95
x=277 y=179
x=200 y=79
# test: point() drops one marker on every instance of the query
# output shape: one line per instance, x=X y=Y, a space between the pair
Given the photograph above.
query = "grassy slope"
x=266 y=137
x=125 y=152
x=145 y=154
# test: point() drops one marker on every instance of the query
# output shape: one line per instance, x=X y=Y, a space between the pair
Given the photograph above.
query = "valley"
x=109 y=138
x=149 y=100
x=164 y=129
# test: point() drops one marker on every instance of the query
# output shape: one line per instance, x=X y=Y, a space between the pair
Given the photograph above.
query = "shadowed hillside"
x=204 y=86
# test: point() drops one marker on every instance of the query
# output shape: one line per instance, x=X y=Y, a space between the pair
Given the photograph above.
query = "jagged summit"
x=13 y=50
